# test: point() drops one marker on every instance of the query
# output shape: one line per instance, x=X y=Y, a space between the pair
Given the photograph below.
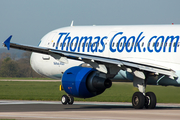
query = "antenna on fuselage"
x=72 y=23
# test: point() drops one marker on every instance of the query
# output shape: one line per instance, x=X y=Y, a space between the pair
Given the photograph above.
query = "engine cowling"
x=84 y=82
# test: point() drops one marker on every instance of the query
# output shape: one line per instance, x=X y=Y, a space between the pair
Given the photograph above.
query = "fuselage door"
x=49 y=44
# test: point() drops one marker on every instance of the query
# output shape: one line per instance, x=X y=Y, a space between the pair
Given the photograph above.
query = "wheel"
x=64 y=99
x=150 y=100
x=138 y=100
x=71 y=100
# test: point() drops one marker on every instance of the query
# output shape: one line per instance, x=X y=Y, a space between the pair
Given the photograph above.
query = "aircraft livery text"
x=118 y=43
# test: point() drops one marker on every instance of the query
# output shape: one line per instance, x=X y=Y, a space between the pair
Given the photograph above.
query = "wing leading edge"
x=98 y=61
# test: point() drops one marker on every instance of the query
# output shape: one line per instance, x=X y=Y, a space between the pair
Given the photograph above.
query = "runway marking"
x=9 y=102
x=15 y=102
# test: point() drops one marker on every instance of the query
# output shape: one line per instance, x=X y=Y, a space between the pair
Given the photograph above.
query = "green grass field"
x=7 y=119
x=19 y=78
x=119 y=92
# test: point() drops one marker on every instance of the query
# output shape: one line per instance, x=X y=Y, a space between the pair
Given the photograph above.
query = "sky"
x=29 y=20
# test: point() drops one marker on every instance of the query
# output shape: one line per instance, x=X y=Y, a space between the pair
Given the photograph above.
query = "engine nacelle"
x=84 y=82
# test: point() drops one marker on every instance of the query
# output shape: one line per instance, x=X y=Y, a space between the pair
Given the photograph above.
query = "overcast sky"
x=29 y=20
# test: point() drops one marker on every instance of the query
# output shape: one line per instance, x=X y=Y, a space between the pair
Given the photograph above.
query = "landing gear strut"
x=141 y=99
x=66 y=99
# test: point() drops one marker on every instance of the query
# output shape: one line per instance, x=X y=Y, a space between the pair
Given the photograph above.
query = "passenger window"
x=53 y=44
x=162 y=44
x=170 y=44
x=61 y=45
x=125 y=44
x=136 y=44
x=157 y=44
x=165 y=44
x=121 y=44
x=174 y=44
x=142 y=44
x=132 y=44
x=128 y=44
x=94 y=44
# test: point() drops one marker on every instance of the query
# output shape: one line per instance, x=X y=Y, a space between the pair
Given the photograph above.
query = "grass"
x=29 y=90
x=7 y=119
x=119 y=92
x=26 y=78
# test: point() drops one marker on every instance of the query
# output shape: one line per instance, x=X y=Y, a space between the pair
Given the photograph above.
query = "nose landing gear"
x=66 y=99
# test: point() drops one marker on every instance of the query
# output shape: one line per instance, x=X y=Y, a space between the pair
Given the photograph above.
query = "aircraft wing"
x=97 y=62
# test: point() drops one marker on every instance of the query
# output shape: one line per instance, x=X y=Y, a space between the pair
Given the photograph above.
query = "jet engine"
x=84 y=82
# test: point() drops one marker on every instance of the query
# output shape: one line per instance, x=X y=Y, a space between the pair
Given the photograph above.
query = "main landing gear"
x=66 y=99
x=148 y=100
x=142 y=99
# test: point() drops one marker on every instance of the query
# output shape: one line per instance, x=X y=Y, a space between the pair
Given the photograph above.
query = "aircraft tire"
x=138 y=100
x=71 y=100
x=150 y=100
x=64 y=99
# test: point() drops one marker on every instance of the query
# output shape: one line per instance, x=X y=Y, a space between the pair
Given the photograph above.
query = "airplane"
x=88 y=58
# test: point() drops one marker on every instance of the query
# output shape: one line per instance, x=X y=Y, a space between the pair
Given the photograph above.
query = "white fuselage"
x=148 y=44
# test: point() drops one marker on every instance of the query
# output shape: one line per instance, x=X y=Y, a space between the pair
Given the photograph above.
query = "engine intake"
x=84 y=82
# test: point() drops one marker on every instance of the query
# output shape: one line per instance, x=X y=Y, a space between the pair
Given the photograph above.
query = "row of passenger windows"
x=76 y=44
x=157 y=45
